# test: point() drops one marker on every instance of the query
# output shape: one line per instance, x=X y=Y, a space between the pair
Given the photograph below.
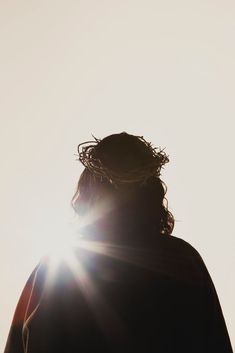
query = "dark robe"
x=156 y=298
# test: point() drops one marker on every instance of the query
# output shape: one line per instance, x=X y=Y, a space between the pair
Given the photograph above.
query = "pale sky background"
x=161 y=69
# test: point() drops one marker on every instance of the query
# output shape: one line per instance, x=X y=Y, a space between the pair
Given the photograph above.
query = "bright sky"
x=161 y=69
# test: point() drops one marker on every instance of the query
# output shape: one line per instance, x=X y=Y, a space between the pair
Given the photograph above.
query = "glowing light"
x=103 y=207
x=61 y=249
x=107 y=319
x=60 y=252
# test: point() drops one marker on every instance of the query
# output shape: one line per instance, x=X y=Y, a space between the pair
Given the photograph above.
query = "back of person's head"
x=120 y=188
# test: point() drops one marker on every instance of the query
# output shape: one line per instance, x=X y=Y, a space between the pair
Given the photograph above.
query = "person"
x=128 y=285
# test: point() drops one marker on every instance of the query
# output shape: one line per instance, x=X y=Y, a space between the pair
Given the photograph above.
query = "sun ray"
x=156 y=260
x=107 y=319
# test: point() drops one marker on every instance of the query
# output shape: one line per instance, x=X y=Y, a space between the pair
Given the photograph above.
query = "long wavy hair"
x=129 y=207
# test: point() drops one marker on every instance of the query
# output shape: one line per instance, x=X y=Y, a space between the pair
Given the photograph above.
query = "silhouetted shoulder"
x=179 y=259
x=182 y=243
x=189 y=249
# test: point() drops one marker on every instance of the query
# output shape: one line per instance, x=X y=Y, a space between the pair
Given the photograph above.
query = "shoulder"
x=188 y=249
x=185 y=246
x=195 y=256
x=185 y=257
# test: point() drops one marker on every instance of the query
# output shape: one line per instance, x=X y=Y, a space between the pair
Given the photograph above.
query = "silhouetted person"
x=128 y=285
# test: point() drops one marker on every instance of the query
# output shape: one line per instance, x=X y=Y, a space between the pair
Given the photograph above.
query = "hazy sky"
x=161 y=69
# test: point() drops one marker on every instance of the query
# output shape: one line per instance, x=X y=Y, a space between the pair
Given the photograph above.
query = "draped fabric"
x=156 y=298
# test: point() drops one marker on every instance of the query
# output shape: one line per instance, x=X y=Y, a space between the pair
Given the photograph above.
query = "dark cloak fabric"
x=158 y=298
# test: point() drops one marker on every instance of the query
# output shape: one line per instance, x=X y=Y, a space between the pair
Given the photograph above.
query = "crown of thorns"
x=86 y=152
